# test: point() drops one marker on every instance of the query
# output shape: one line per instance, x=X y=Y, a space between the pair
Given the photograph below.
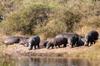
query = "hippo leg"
x=38 y=46
x=55 y=46
x=52 y=47
x=31 y=47
x=76 y=44
x=59 y=46
x=86 y=44
x=64 y=45
x=72 y=45
x=94 y=42
x=89 y=44
x=35 y=47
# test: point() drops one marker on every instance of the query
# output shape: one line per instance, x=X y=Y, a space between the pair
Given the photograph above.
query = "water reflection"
x=53 y=62
x=46 y=61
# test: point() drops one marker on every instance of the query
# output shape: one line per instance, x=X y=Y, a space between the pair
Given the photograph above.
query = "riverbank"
x=82 y=51
x=18 y=49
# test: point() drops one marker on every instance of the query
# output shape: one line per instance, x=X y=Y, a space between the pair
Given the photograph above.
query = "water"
x=45 y=61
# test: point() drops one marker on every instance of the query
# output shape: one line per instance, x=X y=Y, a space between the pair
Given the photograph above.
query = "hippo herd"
x=60 y=40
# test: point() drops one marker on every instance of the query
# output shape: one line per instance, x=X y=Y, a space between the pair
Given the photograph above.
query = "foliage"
x=49 y=18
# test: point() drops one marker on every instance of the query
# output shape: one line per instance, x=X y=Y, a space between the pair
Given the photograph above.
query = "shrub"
x=49 y=18
x=51 y=29
x=25 y=19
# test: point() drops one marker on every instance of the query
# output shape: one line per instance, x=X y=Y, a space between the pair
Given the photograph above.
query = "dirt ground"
x=17 y=49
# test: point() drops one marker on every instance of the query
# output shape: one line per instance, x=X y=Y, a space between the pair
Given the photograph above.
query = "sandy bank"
x=21 y=50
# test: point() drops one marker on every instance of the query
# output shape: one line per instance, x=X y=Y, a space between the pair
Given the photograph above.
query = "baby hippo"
x=43 y=43
x=56 y=42
x=24 y=42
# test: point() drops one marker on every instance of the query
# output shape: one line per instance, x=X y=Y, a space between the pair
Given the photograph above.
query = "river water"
x=48 y=61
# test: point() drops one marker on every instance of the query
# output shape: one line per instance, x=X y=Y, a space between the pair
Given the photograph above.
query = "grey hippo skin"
x=24 y=42
x=34 y=41
x=91 y=37
x=12 y=40
x=81 y=41
x=72 y=38
x=56 y=42
x=43 y=43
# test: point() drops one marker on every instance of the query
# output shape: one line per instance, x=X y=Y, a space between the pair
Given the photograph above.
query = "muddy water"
x=45 y=61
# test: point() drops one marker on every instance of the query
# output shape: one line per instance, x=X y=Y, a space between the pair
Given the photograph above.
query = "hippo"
x=72 y=38
x=56 y=42
x=43 y=43
x=24 y=42
x=12 y=40
x=23 y=38
x=34 y=41
x=81 y=41
x=91 y=37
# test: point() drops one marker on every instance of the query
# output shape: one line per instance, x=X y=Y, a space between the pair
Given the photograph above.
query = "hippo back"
x=23 y=38
x=11 y=40
x=67 y=35
x=81 y=41
x=60 y=40
x=92 y=35
x=43 y=43
x=33 y=39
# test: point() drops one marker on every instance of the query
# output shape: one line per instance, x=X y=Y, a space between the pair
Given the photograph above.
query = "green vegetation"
x=6 y=60
x=49 y=18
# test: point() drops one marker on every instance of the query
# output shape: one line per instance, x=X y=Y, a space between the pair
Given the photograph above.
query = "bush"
x=51 y=29
x=25 y=19
x=49 y=18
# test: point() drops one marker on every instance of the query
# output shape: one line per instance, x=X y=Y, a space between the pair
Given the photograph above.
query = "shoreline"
x=92 y=52
x=17 y=49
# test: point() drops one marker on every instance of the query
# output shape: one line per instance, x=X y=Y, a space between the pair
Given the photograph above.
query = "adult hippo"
x=13 y=39
x=56 y=42
x=91 y=37
x=43 y=43
x=34 y=41
x=72 y=38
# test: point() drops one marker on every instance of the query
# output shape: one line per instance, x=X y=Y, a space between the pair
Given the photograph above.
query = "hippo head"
x=49 y=44
x=24 y=42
